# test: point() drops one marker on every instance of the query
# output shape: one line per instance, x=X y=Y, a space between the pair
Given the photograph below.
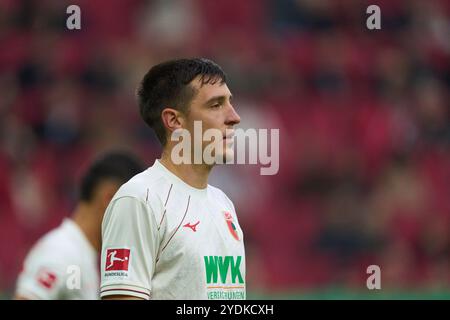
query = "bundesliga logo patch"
x=231 y=225
x=117 y=260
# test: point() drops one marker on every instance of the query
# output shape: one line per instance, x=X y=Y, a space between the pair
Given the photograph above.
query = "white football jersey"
x=164 y=239
x=62 y=265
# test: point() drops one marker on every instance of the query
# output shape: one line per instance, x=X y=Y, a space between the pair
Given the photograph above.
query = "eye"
x=215 y=106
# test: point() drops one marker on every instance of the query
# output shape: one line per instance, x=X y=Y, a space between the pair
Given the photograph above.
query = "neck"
x=86 y=219
x=195 y=175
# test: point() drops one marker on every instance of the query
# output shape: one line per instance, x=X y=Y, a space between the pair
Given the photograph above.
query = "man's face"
x=212 y=106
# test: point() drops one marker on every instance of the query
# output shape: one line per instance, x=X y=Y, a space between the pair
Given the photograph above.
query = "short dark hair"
x=167 y=85
x=118 y=166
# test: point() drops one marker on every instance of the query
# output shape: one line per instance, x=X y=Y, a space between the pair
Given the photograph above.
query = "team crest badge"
x=231 y=225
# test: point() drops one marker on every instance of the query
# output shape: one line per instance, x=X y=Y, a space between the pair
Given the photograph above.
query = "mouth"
x=229 y=136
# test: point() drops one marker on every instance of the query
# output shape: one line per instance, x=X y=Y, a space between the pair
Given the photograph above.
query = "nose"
x=232 y=117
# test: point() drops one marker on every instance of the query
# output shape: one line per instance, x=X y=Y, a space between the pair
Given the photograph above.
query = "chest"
x=196 y=228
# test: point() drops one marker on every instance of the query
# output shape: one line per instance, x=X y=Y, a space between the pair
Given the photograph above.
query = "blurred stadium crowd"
x=363 y=116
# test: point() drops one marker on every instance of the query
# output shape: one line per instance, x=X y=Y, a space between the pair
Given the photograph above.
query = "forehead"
x=208 y=90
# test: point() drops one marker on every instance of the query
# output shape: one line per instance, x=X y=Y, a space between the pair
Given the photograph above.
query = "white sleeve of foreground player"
x=130 y=242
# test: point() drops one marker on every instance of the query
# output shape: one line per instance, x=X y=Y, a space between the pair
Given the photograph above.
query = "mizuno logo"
x=192 y=226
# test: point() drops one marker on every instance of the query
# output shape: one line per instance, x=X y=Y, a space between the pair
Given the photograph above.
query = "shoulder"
x=219 y=196
x=56 y=248
x=216 y=192
x=140 y=198
x=143 y=186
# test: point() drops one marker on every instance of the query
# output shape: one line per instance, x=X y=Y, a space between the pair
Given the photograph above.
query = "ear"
x=172 y=119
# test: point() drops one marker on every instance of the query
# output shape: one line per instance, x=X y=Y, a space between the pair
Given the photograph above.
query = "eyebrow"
x=218 y=98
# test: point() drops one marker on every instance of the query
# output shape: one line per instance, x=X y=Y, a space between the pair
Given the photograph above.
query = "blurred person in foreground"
x=63 y=264
x=167 y=233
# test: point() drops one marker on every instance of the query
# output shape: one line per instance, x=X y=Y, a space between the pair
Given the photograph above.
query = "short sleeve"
x=130 y=242
x=41 y=279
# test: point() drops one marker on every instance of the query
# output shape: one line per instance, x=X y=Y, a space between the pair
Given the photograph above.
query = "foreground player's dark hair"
x=167 y=85
x=117 y=166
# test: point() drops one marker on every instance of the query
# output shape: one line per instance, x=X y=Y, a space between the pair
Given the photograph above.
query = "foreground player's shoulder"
x=55 y=247
x=220 y=196
x=143 y=192
x=143 y=186
x=135 y=187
